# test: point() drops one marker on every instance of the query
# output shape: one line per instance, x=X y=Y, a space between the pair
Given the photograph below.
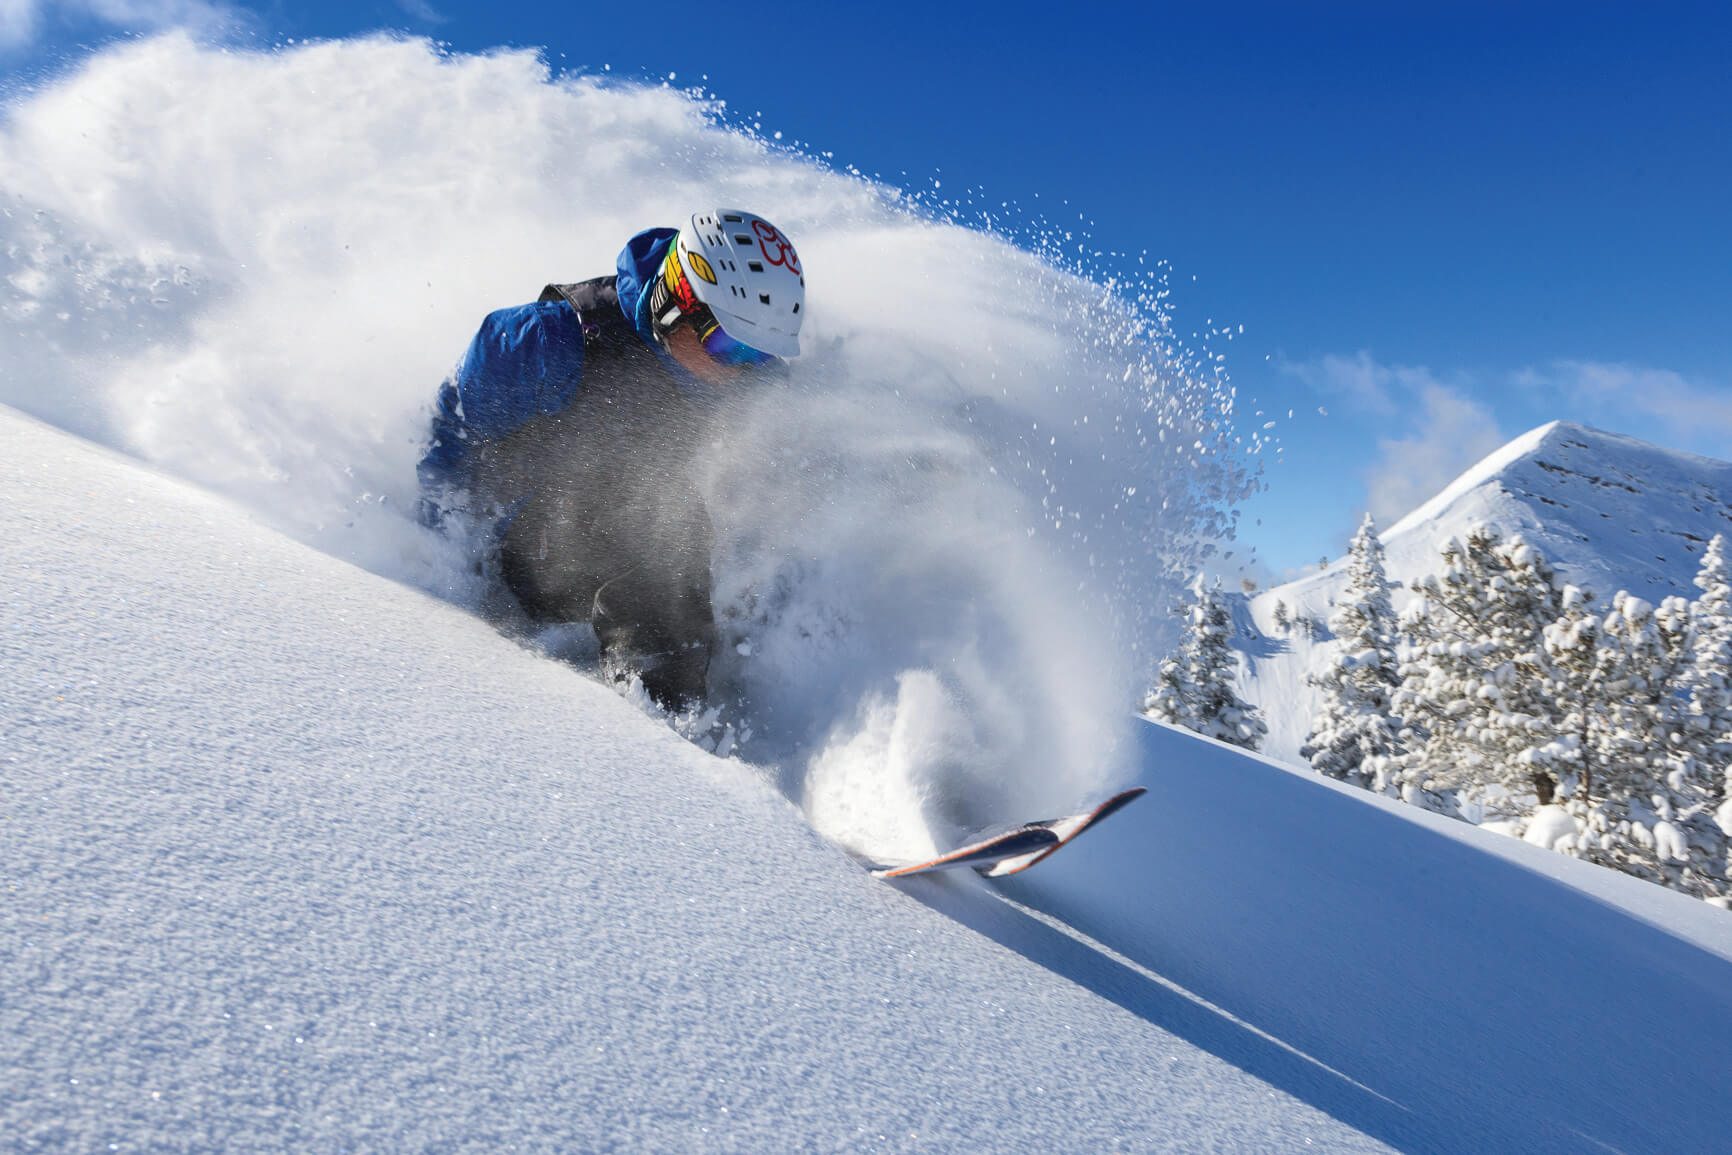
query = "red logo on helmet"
x=768 y=237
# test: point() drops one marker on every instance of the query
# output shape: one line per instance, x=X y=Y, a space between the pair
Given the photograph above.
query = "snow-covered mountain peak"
x=1484 y=471
x=1611 y=511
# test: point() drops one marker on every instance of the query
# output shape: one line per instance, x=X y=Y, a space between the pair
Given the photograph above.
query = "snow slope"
x=1609 y=511
x=1473 y=992
x=298 y=857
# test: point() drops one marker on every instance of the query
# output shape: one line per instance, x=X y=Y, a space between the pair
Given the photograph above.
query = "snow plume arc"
x=946 y=543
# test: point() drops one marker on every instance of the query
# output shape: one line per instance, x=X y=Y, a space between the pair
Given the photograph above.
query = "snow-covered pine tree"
x=1195 y=685
x=1472 y=694
x=1612 y=677
x=1706 y=684
x=1689 y=843
x=1355 y=733
x=1700 y=738
x=1173 y=699
x=1576 y=663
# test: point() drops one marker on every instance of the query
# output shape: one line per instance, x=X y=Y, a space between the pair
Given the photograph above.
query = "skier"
x=567 y=434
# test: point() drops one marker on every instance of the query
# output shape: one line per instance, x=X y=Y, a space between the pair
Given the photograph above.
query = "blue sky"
x=1440 y=224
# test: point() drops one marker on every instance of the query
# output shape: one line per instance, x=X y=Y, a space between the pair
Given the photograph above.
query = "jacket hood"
x=639 y=262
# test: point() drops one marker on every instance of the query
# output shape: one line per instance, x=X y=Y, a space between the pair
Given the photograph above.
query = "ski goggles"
x=724 y=348
x=674 y=303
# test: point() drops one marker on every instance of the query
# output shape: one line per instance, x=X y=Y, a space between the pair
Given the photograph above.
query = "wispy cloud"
x=422 y=10
x=1438 y=429
x=22 y=21
x=1449 y=433
x=1362 y=381
x=19 y=20
x=1690 y=413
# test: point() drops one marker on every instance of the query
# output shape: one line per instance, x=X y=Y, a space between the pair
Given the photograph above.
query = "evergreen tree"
x=1612 y=678
x=1700 y=737
x=1472 y=692
x=1195 y=685
x=1573 y=663
x=1690 y=845
x=1704 y=741
x=1355 y=733
x=1623 y=713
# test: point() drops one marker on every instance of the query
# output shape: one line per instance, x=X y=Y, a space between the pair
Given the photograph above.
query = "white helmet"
x=746 y=272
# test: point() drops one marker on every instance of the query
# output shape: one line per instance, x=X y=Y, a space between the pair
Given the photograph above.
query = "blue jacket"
x=525 y=361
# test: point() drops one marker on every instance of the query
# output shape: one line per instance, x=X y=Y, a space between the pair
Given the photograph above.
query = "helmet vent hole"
x=764 y=298
x=733 y=218
x=741 y=239
x=755 y=266
x=796 y=306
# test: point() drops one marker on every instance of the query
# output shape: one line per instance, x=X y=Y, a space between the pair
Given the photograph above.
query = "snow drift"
x=948 y=533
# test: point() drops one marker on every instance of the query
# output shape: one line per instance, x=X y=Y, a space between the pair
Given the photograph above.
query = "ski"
x=1016 y=850
x=982 y=855
x=1066 y=831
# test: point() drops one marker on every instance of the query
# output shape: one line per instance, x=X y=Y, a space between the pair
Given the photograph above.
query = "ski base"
x=1015 y=850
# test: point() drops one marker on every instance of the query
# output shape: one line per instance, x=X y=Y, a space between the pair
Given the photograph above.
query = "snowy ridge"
x=296 y=856
x=1483 y=471
x=1610 y=512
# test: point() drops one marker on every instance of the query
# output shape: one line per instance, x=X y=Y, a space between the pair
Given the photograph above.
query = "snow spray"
x=947 y=542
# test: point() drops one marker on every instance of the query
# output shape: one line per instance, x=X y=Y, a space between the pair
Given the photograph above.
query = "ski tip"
x=1071 y=828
